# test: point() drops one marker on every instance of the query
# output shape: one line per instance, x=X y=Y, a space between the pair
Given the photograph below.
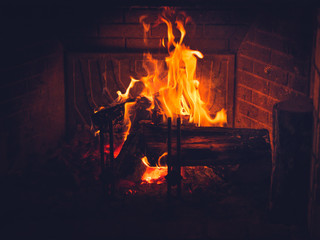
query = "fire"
x=177 y=93
x=173 y=91
x=153 y=174
x=117 y=150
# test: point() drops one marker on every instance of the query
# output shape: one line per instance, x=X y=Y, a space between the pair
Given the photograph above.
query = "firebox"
x=86 y=99
x=95 y=79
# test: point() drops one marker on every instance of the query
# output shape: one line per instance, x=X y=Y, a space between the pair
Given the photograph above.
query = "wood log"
x=208 y=146
x=293 y=121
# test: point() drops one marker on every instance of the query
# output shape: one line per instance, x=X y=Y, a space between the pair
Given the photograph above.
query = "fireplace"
x=59 y=59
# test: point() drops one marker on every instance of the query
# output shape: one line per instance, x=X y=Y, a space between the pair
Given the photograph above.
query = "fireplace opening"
x=93 y=143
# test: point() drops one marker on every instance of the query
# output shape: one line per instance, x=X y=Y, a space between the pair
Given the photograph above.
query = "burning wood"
x=207 y=146
x=172 y=92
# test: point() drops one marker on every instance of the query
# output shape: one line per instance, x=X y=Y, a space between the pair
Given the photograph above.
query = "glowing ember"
x=117 y=150
x=153 y=174
x=175 y=93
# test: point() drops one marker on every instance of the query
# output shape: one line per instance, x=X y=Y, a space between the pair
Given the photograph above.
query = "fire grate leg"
x=111 y=182
x=174 y=165
x=107 y=167
x=102 y=162
x=169 y=164
x=178 y=166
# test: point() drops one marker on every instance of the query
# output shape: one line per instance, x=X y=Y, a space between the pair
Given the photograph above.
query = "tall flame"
x=177 y=92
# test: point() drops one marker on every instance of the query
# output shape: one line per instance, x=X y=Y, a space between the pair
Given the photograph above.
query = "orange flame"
x=175 y=93
x=153 y=174
x=178 y=92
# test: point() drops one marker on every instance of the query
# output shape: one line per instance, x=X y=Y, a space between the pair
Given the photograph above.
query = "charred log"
x=129 y=159
x=248 y=150
x=208 y=146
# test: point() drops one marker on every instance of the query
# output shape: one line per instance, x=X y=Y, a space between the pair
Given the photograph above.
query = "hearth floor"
x=60 y=197
x=55 y=214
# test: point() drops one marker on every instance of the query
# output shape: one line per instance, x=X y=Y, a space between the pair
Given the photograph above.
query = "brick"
x=133 y=15
x=279 y=92
x=242 y=121
x=57 y=115
x=12 y=91
x=33 y=143
x=14 y=141
x=115 y=15
x=283 y=61
x=224 y=17
x=292 y=48
x=55 y=61
x=194 y=31
x=245 y=16
x=270 y=40
x=23 y=71
x=219 y=31
x=160 y=31
x=316 y=144
x=17 y=120
x=234 y=45
x=245 y=64
x=94 y=44
x=254 y=112
x=57 y=94
x=32 y=53
x=82 y=30
x=317 y=187
x=317 y=49
x=250 y=35
x=139 y=43
x=209 y=45
x=35 y=83
x=265 y=23
x=215 y=17
x=293 y=24
x=316 y=91
x=38 y=110
x=292 y=64
x=259 y=125
x=121 y=30
x=270 y=72
x=263 y=101
x=197 y=15
x=11 y=107
x=139 y=68
x=298 y=83
x=240 y=32
x=55 y=81
x=36 y=99
x=253 y=82
x=244 y=93
x=255 y=52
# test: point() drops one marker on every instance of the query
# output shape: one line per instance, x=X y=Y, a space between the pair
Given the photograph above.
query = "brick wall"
x=272 y=64
x=32 y=116
x=33 y=42
x=118 y=29
x=314 y=220
x=272 y=60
